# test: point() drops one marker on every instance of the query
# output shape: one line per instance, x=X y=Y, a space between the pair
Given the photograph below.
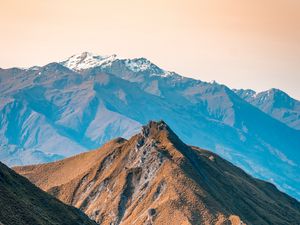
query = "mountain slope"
x=154 y=178
x=275 y=103
x=22 y=203
x=52 y=112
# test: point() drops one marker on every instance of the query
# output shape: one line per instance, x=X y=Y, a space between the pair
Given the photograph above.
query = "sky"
x=243 y=44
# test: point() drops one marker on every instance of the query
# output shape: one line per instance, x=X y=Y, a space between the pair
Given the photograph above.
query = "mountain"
x=22 y=203
x=87 y=60
x=154 y=178
x=275 y=103
x=51 y=112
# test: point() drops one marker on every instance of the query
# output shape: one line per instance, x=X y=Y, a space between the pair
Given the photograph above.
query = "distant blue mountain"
x=275 y=103
x=61 y=109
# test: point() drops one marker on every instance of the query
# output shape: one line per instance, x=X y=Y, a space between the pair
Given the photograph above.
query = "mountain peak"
x=277 y=92
x=154 y=127
x=151 y=179
x=144 y=65
x=158 y=129
x=275 y=103
x=86 y=60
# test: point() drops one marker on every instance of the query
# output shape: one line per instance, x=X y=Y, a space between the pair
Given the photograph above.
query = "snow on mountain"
x=141 y=64
x=275 y=103
x=87 y=60
x=53 y=112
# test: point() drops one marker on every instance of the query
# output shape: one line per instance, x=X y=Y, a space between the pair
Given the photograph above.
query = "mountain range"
x=62 y=109
x=275 y=103
x=155 y=178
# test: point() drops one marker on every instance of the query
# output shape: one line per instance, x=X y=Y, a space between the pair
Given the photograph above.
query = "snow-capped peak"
x=87 y=60
x=140 y=64
x=143 y=64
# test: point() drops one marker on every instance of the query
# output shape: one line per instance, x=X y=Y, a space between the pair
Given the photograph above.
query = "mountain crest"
x=160 y=132
x=154 y=128
x=154 y=178
x=275 y=103
x=87 y=60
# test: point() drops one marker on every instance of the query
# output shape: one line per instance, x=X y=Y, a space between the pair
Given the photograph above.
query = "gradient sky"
x=241 y=43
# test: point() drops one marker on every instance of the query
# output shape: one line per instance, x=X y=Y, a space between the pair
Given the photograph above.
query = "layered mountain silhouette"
x=22 y=203
x=155 y=178
x=62 y=109
x=276 y=103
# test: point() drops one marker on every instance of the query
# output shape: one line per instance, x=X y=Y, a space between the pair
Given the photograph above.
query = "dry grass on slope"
x=154 y=178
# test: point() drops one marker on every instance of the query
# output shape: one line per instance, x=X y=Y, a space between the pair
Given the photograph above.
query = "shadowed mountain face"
x=154 y=178
x=22 y=203
x=62 y=109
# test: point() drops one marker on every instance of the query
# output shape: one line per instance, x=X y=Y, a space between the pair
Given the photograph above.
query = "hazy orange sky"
x=241 y=43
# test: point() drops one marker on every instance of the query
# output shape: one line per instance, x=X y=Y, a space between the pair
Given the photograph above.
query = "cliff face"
x=22 y=203
x=154 y=178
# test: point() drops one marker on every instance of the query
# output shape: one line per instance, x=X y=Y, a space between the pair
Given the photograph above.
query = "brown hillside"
x=154 y=178
x=22 y=203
